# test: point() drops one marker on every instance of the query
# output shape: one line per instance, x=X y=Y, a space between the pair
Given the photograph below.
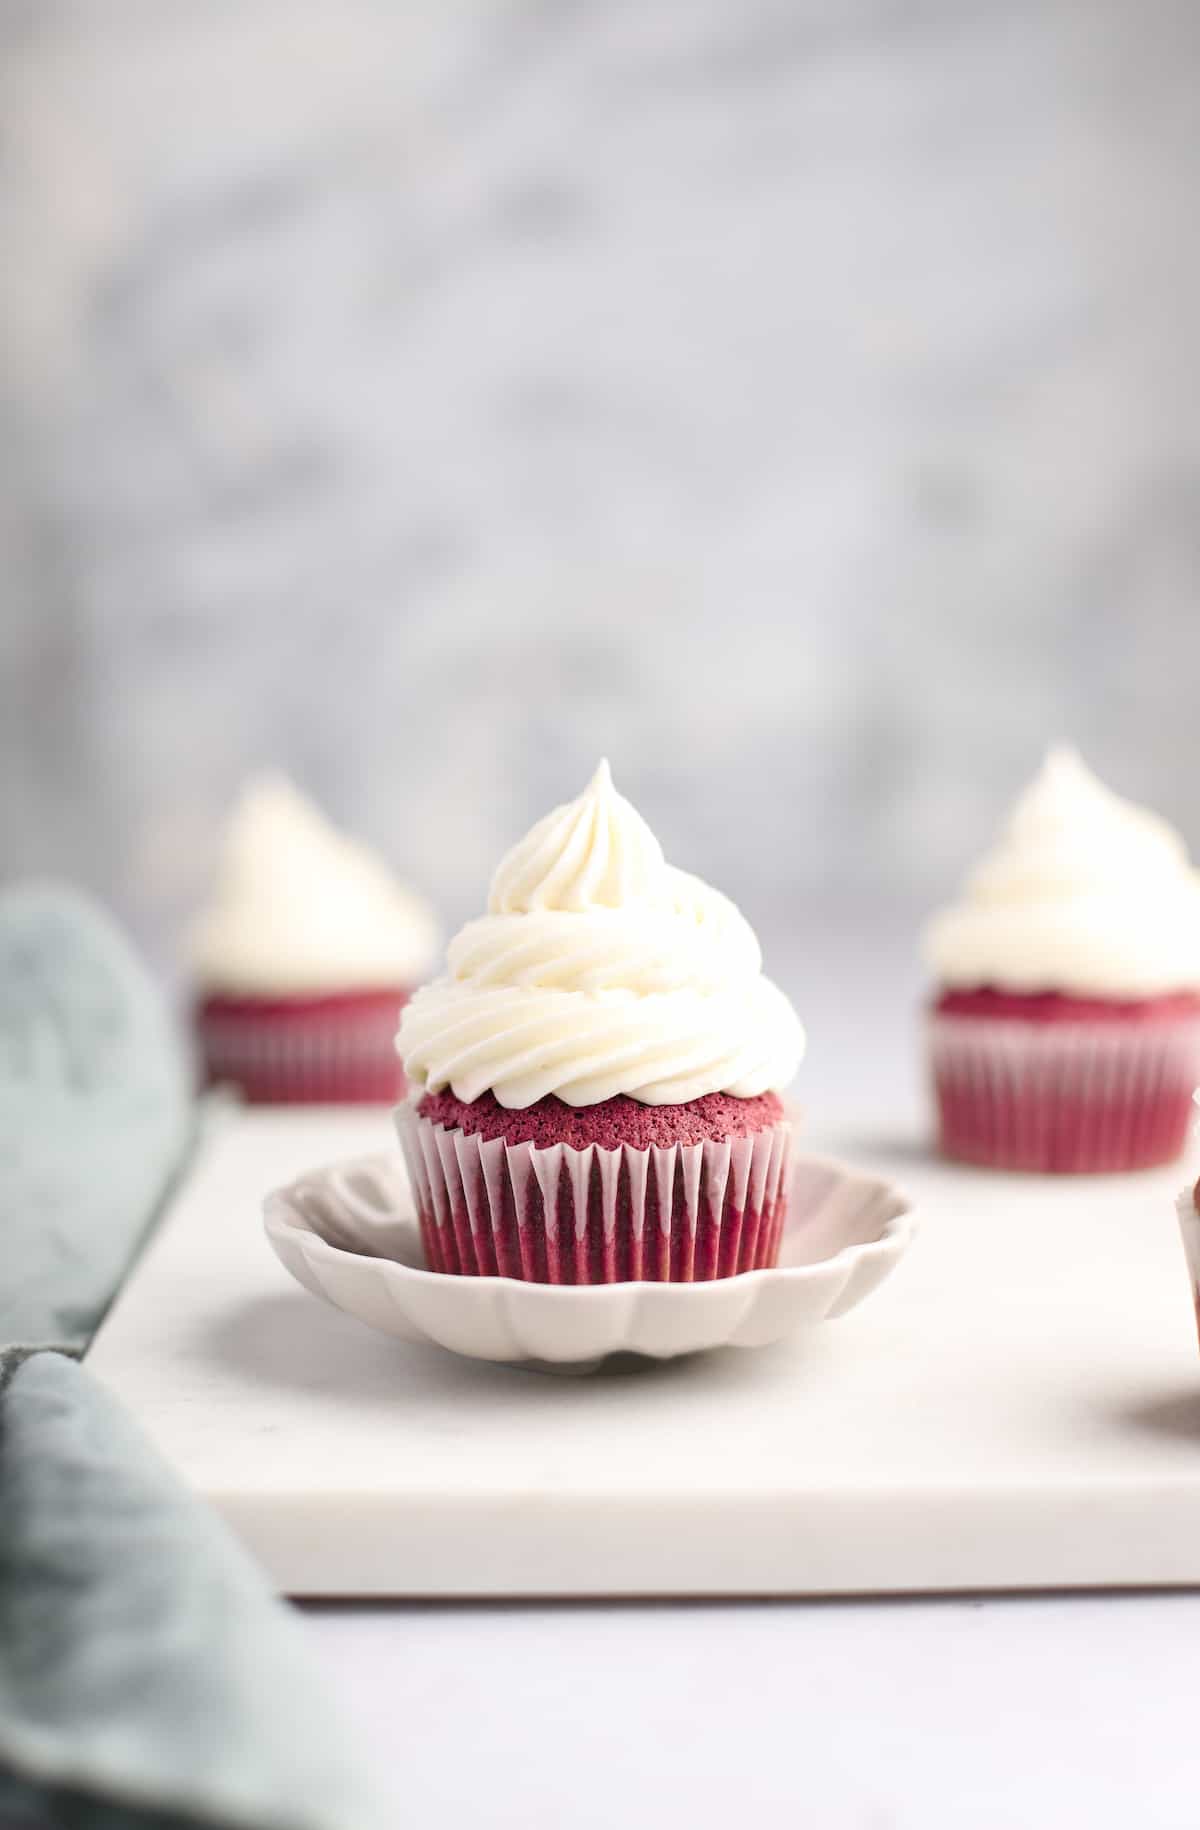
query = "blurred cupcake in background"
x=304 y=957
x=1065 y=1032
x=1187 y=1207
x=596 y=1079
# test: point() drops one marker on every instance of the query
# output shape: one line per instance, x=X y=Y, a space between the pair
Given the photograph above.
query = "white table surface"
x=1005 y=1714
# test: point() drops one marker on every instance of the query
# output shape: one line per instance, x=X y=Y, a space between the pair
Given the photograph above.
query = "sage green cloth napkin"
x=148 y=1679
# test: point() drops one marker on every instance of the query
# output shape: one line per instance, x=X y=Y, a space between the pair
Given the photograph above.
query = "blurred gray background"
x=798 y=402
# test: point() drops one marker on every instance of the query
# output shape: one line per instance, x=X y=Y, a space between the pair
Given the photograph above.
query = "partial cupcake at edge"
x=304 y=957
x=595 y=1082
x=1064 y=1033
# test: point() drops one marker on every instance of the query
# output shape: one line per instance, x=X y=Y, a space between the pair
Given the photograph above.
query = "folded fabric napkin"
x=148 y=1678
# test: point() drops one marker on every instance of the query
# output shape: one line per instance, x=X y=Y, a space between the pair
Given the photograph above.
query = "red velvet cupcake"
x=596 y=1079
x=304 y=960
x=1065 y=1035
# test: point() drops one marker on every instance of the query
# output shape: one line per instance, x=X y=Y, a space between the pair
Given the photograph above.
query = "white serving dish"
x=349 y=1234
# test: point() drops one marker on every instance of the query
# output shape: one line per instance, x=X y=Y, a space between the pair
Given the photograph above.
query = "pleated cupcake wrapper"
x=682 y=1213
x=1088 y=1097
x=1189 y=1228
x=306 y=1057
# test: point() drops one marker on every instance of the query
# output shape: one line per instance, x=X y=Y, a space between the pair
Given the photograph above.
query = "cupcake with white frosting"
x=1065 y=1034
x=596 y=1079
x=304 y=957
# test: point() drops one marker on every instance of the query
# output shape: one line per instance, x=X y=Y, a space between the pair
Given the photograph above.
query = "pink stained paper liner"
x=1063 y=1098
x=683 y=1214
x=314 y=1055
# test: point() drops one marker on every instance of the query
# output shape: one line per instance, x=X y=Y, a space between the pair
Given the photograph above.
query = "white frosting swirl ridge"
x=593 y=853
x=598 y=970
x=301 y=909
x=1085 y=894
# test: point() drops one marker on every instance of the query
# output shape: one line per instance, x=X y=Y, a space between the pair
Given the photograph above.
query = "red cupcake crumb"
x=300 y=1007
x=1059 y=1007
x=610 y=1123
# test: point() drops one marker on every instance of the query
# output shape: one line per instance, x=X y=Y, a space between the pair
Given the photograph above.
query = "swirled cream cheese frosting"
x=1084 y=893
x=300 y=909
x=599 y=969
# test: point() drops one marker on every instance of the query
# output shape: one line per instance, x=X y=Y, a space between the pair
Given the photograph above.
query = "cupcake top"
x=300 y=909
x=1084 y=893
x=600 y=970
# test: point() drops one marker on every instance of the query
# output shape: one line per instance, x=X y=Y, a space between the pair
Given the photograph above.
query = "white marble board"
x=1018 y=1408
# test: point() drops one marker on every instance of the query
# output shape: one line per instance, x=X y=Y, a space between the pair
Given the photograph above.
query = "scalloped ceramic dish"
x=349 y=1234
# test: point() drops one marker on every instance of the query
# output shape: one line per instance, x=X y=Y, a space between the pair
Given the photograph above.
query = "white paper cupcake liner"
x=317 y=1053
x=1063 y=1098
x=682 y=1214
